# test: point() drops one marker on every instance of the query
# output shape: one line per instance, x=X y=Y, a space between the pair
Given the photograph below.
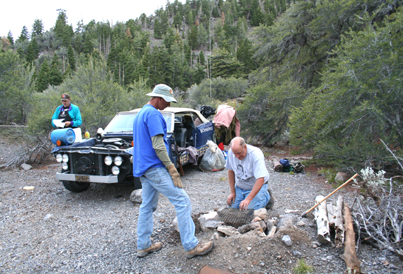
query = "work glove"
x=175 y=175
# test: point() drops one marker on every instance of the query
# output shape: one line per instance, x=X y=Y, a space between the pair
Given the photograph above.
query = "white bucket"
x=79 y=136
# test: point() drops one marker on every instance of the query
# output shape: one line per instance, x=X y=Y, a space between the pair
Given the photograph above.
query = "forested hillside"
x=324 y=75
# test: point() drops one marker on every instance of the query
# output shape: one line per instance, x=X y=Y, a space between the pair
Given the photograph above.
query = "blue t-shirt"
x=148 y=122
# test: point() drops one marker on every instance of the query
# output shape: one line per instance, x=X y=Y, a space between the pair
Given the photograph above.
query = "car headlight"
x=65 y=158
x=108 y=160
x=59 y=158
x=118 y=160
x=115 y=170
x=65 y=166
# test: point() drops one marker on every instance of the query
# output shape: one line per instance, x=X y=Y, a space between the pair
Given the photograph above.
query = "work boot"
x=200 y=249
x=153 y=247
x=271 y=201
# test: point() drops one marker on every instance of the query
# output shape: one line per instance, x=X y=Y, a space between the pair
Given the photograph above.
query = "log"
x=277 y=166
x=338 y=224
x=349 y=255
x=331 y=215
x=322 y=222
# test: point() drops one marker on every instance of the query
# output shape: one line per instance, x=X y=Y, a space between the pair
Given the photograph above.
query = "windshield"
x=121 y=122
x=124 y=122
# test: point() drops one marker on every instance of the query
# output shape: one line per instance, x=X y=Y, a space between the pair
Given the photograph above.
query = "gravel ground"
x=52 y=230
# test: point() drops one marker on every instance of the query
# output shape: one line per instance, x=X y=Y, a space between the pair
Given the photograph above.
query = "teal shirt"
x=74 y=113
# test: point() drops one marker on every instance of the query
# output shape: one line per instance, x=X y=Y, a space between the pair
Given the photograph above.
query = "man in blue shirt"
x=158 y=174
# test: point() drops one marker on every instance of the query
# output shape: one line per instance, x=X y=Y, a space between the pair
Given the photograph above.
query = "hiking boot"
x=152 y=248
x=271 y=201
x=200 y=249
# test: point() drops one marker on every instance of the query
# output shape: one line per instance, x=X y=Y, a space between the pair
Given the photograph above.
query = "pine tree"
x=37 y=27
x=55 y=77
x=10 y=38
x=24 y=34
x=193 y=35
x=71 y=58
x=42 y=81
x=202 y=59
x=177 y=20
x=30 y=54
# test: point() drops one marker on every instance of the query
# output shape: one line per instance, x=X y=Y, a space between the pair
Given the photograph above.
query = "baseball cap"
x=163 y=91
x=65 y=96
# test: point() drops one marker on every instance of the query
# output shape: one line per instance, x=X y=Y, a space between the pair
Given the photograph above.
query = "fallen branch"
x=349 y=255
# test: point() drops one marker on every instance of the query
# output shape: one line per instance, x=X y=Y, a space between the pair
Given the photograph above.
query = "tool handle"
x=334 y=191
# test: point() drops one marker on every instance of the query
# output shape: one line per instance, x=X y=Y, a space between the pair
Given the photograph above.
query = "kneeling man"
x=247 y=175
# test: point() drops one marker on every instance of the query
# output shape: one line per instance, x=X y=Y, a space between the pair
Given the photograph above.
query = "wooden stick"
x=349 y=255
x=337 y=189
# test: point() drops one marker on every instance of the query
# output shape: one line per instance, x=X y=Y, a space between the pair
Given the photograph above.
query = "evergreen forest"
x=324 y=76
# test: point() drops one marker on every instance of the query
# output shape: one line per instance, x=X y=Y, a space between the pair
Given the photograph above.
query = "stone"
x=175 y=224
x=227 y=230
x=136 y=196
x=296 y=253
x=28 y=188
x=215 y=236
x=261 y=213
x=341 y=177
x=287 y=240
x=48 y=216
x=207 y=221
x=301 y=223
x=286 y=222
x=26 y=166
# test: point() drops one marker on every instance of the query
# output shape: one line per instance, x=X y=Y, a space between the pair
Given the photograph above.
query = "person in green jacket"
x=67 y=113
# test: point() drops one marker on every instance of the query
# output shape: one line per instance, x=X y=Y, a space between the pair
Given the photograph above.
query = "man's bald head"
x=238 y=147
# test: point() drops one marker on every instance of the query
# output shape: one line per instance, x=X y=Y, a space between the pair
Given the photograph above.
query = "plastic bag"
x=213 y=159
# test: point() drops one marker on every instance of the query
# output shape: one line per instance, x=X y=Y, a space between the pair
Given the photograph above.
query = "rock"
x=261 y=213
x=287 y=240
x=227 y=230
x=341 y=177
x=301 y=223
x=207 y=221
x=286 y=222
x=48 y=216
x=136 y=197
x=296 y=253
x=270 y=224
x=26 y=166
x=215 y=236
x=28 y=188
x=272 y=231
x=175 y=224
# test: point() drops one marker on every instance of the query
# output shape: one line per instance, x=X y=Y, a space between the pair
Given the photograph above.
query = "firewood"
x=277 y=166
x=349 y=256
x=338 y=224
x=322 y=222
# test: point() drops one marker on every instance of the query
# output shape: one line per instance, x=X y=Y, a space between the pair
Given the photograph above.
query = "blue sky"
x=16 y=14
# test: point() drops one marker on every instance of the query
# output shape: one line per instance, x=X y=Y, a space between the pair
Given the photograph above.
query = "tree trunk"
x=349 y=256
x=322 y=222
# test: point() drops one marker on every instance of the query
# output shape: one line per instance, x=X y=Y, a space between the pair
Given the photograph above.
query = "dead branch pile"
x=378 y=212
x=35 y=154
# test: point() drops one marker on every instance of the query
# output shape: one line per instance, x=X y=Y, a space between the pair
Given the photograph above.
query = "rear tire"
x=75 y=186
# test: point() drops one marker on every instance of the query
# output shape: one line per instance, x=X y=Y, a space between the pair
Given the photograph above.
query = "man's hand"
x=67 y=124
x=244 y=205
x=231 y=199
x=175 y=175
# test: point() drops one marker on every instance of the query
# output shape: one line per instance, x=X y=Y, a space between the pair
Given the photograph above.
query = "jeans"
x=155 y=181
x=261 y=199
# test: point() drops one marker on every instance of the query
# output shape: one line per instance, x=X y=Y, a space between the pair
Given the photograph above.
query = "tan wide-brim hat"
x=163 y=91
